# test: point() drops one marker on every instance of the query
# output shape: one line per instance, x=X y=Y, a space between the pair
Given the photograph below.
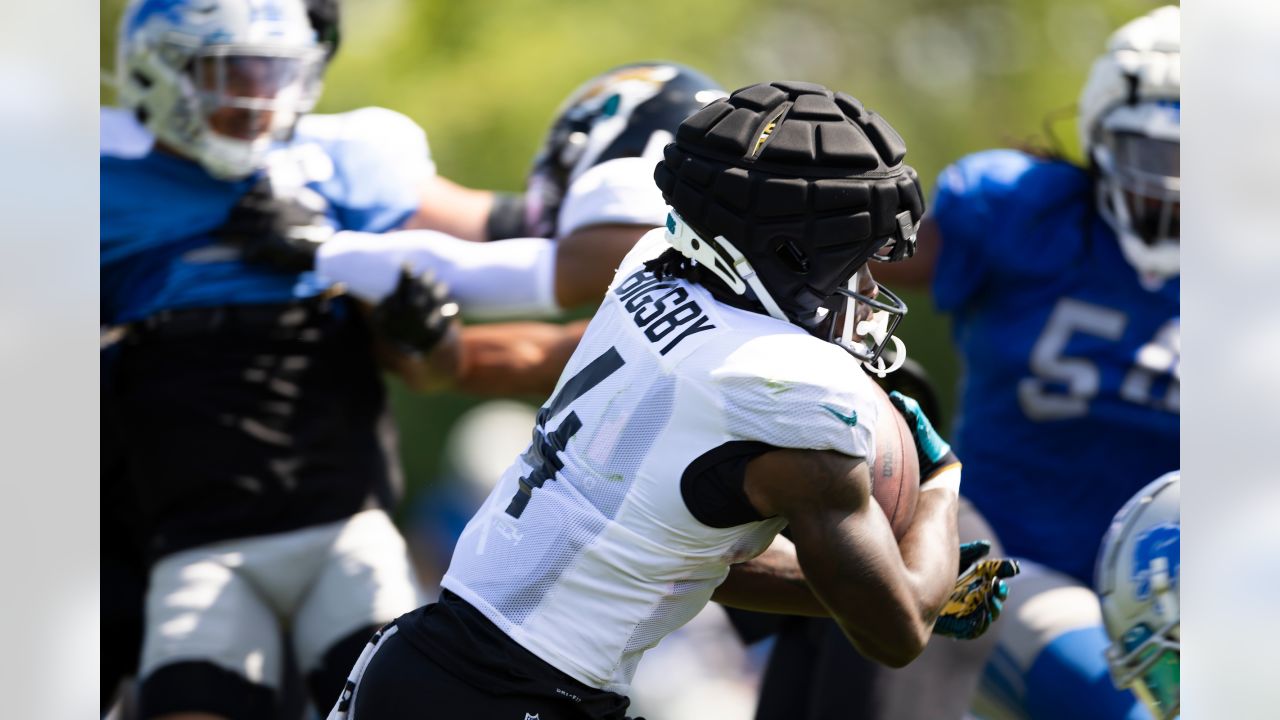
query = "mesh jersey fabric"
x=585 y=553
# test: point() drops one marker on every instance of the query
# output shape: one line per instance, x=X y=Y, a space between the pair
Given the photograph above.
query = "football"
x=895 y=476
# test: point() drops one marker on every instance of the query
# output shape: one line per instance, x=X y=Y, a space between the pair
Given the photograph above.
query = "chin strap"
x=878 y=328
x=739 y=275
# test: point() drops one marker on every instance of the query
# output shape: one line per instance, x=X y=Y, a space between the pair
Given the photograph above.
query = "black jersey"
x=251 y=420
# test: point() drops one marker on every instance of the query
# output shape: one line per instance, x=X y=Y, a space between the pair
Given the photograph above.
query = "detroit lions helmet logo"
x=1161 y=541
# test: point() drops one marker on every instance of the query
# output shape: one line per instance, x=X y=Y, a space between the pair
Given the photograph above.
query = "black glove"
x=417 y=315
x=281 y=232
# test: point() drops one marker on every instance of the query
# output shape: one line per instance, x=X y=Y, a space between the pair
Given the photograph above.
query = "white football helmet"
x=219 y=80
x=1130 y=126
x=1137 y=581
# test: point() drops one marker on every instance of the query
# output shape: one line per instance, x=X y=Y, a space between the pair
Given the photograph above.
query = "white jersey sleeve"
x=121 y=135
x=618 y=191
x=795 y=391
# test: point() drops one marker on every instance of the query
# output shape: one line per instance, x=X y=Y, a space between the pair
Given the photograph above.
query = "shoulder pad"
x=121 y=135
x=616 y=191
x=380 y=159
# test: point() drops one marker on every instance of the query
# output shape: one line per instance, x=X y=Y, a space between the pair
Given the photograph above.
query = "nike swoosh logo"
x=851 y=419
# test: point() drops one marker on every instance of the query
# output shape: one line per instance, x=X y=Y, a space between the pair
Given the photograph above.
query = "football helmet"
x=784 y=191
x=1137 y=581
x=629 y=111
x=1130 y=126
x=219 y=81
x=325 y=17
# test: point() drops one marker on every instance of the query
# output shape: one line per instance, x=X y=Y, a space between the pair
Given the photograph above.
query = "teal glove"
x=979 y=593
x=933 y=452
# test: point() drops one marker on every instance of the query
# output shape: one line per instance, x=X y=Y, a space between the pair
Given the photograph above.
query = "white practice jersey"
x=619 y=191
x=585 y=553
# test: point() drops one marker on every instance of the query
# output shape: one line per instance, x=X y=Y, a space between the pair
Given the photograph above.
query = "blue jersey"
x=1069 y=397
x=158 y=211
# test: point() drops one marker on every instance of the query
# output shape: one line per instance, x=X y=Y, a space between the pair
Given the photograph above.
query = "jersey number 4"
x=544 y=454
x=1041 y=396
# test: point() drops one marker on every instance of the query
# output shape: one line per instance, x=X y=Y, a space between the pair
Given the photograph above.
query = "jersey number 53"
x=1062 y=386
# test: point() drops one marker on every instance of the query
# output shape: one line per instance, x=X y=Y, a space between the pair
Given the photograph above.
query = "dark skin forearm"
x=884 y=599
x=771 y=582
x=587 y=258
x=516 y=358
x=931 y=550
x=774 y=583
x=502 y=359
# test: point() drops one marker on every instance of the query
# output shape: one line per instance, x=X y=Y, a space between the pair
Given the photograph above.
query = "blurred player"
x=254 y=435
x=124 y=566
x=689 y=428
x=590 y=197
x=1063 y=285
x=1138 y=581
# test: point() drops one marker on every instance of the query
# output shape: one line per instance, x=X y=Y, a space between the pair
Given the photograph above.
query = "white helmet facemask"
x=1138 y=158
x=864 y=326
x=250 y=98
x=219 y=83
x=1130 y=126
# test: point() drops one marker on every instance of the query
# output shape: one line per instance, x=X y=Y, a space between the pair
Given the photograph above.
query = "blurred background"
x=484 y=80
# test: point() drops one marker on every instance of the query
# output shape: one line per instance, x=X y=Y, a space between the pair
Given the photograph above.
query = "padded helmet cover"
x=806 y=183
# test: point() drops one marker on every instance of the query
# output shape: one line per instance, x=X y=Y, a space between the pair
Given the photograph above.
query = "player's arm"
x=451 y=208
x=885 y=595
x=500 y=359
x=519 y=277
x=587 y=258
x=771 y=582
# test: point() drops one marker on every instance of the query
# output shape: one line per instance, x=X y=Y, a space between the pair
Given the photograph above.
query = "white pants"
x=227 y=603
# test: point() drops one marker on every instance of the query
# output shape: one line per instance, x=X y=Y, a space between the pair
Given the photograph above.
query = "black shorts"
x=447 y=660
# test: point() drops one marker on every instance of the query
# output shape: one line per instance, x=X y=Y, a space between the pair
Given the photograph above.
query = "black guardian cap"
x=804 y=183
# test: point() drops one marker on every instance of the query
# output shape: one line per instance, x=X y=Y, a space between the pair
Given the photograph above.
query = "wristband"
x=946 y=478
x=506 y=217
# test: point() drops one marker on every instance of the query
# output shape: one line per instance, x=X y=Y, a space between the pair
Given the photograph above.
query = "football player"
x=1137 y=580
x=590 y=197
x=1063 y=286
x=716 y=397
x=253 y=433
x=124 y=571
